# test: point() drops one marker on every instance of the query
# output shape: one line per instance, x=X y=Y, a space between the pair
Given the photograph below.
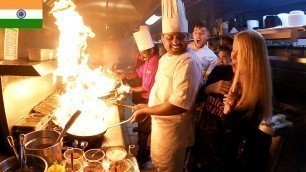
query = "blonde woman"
x=252 y=71
x=227 y=135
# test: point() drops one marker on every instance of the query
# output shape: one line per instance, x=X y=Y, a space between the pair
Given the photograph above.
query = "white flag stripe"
x=12 y=14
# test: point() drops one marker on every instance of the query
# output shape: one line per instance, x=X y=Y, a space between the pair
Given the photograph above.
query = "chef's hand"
x=220 y=87
x=139 y=106
x=121 y=75
x=230 y=101
x=139 y=116
x=124 y=89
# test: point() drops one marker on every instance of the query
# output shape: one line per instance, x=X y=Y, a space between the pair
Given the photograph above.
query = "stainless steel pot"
x=34 y=163
x=41 y=143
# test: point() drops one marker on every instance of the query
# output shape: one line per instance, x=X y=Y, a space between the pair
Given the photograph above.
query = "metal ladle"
x=122 y=105
x=23 y=157
x=93 y=155
x=68 y=125
x=12 y=145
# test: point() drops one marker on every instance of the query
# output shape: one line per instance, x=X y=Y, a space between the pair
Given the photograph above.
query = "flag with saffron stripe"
x=21 y=14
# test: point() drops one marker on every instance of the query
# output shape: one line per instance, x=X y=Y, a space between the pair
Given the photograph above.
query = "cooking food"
x=119 y=166
x=76 y=155
x=56 y=168
x=116 y=154
x=93 y=167
x=93 y=119
x=94 y=155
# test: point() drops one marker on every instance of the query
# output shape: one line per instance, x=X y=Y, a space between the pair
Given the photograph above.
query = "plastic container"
x=93 y=167
x=116 y=154
x=77 y=165
x=77 y=154
x=94 y=155
x=296 y=18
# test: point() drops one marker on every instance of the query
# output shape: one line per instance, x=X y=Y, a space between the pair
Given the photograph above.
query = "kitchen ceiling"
x=121 y=17
x=124 y=16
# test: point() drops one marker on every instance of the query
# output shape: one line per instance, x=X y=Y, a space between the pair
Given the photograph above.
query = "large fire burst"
x=83 y=85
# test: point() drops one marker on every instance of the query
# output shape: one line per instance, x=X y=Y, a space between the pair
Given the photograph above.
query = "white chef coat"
x=177 y=80
x=207 y=57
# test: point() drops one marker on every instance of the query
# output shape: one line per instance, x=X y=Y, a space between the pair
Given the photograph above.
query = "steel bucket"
x=41 y=143
x=34 y=163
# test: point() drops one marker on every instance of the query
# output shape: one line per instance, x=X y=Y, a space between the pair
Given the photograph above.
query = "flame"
x=83 y=85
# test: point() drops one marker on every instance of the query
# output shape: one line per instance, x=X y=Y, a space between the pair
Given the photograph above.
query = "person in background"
x=173 y=94
x=146 y=72
x=224 y=55
x=227 y=41
x=136 y=81
x=227 y=134
x=207 y=57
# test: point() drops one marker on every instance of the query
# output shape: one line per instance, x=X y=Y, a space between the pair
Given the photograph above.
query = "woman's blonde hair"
x=253 y=73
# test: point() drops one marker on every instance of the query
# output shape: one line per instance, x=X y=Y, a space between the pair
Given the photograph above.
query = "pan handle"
x=114 y=125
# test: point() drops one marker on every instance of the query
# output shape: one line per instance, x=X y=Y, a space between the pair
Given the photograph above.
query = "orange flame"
x=83 y=85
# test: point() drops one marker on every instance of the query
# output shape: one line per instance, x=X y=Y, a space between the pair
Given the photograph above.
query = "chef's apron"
x=171 y=135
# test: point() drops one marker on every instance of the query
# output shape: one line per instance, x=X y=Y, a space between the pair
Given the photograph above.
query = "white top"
x=177 y=79
x=207 y=57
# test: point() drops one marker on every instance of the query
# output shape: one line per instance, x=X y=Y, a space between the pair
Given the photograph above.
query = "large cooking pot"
x=34 y=163
x=42 y=143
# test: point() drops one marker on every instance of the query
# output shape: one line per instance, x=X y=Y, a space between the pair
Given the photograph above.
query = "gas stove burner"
x=77 y=143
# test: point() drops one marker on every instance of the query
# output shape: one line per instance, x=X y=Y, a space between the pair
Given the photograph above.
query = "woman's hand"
x=220 y=87
x=230 y=101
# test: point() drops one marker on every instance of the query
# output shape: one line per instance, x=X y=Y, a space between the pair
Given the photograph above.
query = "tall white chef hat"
x=143 y=39
x=173 y=16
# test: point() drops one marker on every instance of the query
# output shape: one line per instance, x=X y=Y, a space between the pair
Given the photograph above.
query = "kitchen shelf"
x=26 y=67
x=288 y=59
x=283 y=33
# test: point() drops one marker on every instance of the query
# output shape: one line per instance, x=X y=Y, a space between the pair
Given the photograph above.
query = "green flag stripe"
x=21 y=23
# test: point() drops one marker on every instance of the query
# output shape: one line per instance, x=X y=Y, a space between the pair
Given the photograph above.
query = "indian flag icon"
x=21 y=14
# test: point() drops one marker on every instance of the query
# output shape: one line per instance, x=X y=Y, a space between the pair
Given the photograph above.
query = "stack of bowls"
x=297 y=18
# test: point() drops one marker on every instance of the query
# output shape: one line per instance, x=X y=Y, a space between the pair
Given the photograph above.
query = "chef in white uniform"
x=173 y=94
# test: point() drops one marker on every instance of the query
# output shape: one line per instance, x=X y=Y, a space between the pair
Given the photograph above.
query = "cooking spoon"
x=23 y=157
x=122 y=105
x=12 y=145
x=68 y=125
x=93 y=155
x=127 y=106
x=84 y=145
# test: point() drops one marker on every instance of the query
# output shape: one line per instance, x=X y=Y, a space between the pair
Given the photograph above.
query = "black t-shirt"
x=214 y=103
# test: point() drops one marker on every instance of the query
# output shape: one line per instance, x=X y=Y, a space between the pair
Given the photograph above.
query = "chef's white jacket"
x=177 y=80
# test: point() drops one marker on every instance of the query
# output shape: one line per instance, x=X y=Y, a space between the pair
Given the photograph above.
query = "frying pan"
x=101 y=134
